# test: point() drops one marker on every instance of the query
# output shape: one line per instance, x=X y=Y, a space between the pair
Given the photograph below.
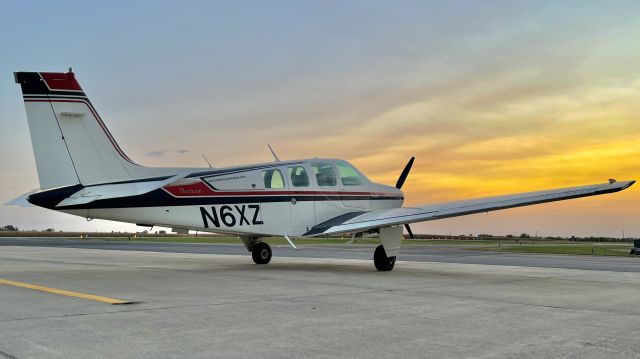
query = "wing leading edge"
x=362 y=221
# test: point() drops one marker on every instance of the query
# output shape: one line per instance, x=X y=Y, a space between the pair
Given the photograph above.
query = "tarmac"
x=203 y=301
x=445 y=253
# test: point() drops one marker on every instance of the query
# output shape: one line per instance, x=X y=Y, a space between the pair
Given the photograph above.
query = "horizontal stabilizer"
x=22 y=201
x=117 y=190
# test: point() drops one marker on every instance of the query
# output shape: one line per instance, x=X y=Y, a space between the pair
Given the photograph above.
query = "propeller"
x=400 y=183
x=405 y=173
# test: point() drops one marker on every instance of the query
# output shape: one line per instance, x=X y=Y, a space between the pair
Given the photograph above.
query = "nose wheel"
x=261 y=253
x=381 y=261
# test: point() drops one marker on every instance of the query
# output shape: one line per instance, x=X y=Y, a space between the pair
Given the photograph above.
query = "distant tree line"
x=9 y=227
x=12 y=228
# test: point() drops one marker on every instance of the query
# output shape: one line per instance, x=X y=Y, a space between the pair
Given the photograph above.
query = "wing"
x=362 y=221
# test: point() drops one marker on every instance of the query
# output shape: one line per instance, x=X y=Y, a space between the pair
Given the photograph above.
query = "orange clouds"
x=579 y=137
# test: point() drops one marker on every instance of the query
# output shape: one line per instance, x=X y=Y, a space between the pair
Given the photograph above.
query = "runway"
x=203 y=301
x=415 y=253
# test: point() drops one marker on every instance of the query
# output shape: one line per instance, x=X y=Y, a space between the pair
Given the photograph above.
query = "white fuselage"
x=278 y=198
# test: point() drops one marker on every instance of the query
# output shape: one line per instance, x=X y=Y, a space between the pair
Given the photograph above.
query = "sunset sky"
x=492 y=97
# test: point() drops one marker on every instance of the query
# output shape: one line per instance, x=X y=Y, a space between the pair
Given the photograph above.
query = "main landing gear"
x=261 y=253
x=382 y=262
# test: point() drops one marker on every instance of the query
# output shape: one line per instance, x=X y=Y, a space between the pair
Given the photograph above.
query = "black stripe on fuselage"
x=49 y=199
x=152 y=179
x=160 y=198
x=336 y=221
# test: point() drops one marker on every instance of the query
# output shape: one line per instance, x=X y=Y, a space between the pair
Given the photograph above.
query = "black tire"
x=381 y=261
x=261 y=253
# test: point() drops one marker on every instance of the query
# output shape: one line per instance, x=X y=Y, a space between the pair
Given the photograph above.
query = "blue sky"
x=488 y=95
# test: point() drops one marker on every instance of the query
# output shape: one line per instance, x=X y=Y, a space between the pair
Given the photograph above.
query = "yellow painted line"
x=68 y=293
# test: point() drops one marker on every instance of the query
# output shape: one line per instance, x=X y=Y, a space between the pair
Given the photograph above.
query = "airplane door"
x=302 y=207
x=355 y=189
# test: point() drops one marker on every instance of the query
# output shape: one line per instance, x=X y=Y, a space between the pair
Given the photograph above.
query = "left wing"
x=362 y=221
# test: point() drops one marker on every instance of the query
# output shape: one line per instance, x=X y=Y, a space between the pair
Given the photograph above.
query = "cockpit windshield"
x=349 y=175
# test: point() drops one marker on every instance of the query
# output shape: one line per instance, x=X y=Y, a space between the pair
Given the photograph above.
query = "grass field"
x=580 y=249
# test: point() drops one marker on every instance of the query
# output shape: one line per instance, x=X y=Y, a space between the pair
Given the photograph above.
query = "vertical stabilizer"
x=70 y=141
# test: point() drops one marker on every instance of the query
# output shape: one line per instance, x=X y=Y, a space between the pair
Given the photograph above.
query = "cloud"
x=523 y=98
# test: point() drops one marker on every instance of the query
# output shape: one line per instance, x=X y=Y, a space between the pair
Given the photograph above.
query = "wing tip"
x=621 y=185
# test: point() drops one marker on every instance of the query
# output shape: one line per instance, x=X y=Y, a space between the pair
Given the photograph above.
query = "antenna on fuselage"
x=275 y=157
x=205 y=158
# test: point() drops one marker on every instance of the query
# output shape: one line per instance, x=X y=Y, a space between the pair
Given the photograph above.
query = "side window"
x=348 y=175
x=325 y=175
x=298 y=176
x=272 y=179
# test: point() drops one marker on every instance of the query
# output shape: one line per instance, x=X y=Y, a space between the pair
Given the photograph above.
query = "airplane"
x=84 y=172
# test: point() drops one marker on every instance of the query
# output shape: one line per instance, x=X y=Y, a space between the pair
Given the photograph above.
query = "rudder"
x=70 y=142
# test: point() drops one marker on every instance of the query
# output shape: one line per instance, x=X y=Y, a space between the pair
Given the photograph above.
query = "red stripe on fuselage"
x=190 y=190
x=200 y=189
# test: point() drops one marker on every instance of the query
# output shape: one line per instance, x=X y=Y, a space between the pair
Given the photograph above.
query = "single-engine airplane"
x=84 y=172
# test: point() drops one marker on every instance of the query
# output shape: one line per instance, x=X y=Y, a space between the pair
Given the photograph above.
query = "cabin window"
x=298 y=176
x=273 y=179
x=325 y=175
x=349 y=176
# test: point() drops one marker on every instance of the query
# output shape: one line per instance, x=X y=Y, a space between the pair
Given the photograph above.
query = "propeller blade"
x=405 y=173
x=406 y=225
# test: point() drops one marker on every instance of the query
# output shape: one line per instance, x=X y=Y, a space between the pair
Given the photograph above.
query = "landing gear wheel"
x=382 y=262
x=261 y=253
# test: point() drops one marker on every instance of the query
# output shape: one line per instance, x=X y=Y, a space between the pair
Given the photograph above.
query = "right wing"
x=363 y=221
